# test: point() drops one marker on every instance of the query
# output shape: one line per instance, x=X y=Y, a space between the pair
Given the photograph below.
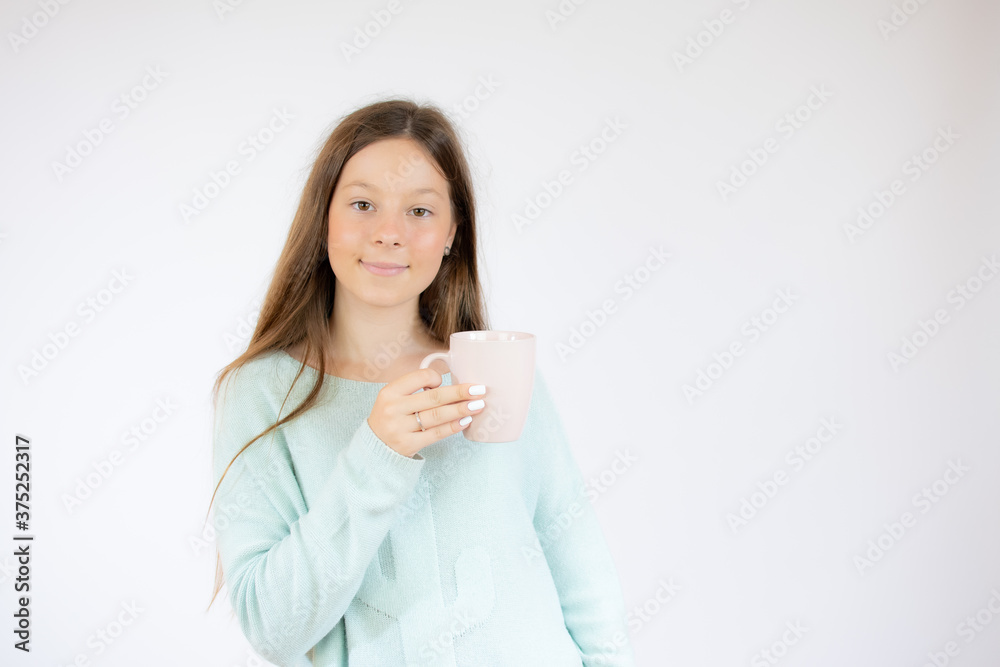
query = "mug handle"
x=436 y=355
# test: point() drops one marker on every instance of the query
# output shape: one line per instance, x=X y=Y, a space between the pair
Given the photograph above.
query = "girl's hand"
x=440 y=408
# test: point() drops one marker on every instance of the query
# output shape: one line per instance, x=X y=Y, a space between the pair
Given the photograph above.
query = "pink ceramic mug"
x=504 y=361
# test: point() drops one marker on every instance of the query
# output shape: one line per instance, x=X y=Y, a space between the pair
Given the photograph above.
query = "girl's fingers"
x=411 y=382
x=441 y=410
x=431 y=435
x=459 y=404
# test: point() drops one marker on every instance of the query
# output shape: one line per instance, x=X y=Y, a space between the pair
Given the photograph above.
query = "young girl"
x=355 y=523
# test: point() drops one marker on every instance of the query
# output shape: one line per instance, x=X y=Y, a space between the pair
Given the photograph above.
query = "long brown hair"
x=299 y=301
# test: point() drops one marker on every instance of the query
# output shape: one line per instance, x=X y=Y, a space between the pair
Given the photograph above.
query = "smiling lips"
x=383 y=268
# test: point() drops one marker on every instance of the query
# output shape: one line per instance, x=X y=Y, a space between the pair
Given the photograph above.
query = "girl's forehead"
x=392 y=147
x=388 y=164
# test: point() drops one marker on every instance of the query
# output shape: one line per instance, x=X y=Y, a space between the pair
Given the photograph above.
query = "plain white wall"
x=884 y=80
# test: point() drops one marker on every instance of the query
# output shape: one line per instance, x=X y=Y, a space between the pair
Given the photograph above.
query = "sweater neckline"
x=336 y=378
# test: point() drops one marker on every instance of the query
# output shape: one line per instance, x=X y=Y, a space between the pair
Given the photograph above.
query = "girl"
x=355 y=523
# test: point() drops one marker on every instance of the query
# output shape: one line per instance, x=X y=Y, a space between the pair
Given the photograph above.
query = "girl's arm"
x=575 y=549
x=292 y=572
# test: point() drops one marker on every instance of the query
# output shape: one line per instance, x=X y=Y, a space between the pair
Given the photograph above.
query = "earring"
x=447 y=249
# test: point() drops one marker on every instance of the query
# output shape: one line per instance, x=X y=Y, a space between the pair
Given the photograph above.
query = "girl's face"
x=390 y=220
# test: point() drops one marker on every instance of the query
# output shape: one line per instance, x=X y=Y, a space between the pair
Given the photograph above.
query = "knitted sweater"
x=337 y=548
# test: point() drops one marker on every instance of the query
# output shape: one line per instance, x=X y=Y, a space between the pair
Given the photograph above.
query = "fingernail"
x=475 y=405
x=464 y=420
x=477 y=390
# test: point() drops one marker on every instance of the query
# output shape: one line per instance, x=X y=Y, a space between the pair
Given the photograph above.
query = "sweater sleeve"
x=292 y=572
x=575 y=548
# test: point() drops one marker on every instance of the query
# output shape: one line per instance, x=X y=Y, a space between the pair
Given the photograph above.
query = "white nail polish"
x=477 y=390
x=464 y=420
x=475 y=405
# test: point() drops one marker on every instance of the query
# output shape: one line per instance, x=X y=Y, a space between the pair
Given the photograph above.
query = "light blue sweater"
x=337 y=548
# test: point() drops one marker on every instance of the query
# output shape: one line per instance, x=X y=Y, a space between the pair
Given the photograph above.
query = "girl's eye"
x=361 y=203
x=426 y=212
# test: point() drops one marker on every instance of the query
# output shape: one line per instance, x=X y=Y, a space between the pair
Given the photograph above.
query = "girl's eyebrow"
x=415 y=191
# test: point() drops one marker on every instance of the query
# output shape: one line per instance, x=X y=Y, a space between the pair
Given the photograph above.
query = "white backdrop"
x=754 y=238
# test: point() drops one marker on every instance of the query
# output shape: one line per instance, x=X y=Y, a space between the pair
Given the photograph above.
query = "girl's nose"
x=389 y=228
